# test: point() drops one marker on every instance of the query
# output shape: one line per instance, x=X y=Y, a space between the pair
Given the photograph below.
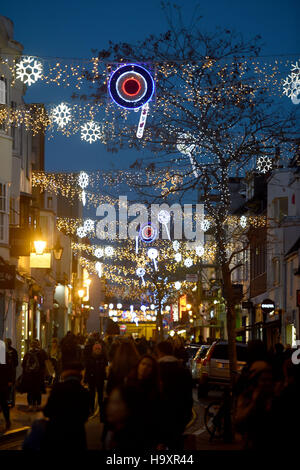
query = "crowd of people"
x=143 y=392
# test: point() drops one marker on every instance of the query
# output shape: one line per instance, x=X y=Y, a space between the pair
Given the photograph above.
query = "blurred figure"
x=70 y=349
x=33 y=375
x=6 y=381
x=124 y=362
x=179 y=349
x=55 y=357
x=67 y=411
x=13 y=361
x=95 y=374
x=176 y=397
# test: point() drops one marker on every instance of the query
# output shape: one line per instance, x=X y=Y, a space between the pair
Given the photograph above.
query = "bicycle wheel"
x=214 y=420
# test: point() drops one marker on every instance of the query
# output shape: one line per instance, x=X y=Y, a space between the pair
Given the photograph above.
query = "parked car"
x=196 y=360
x=213 y=370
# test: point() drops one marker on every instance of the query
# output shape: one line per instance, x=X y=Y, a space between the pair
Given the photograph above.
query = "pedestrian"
x=95 y=375
x=55 y=358
x=124 y=362
x=176 y=396
x=6 y=380
x=13 y=360
x=33 y=375
x=66 y=410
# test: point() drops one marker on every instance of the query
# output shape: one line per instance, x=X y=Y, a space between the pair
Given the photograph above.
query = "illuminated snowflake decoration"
x=99 y=252
x=178 y=257
x=291 y=85
x=187 y=146
x=61 y=114
x=109 y=251
x=188 y=262
x=264 y=164
x=29 y=70
x=90 y=132
x=176 y=245
x=205 y=224
x=89 y=225
x=98 y=268
x=199 y=250
x=81 y=232
x=177 y=285
x=243 y=221
x=83 y=179
x=140 y=272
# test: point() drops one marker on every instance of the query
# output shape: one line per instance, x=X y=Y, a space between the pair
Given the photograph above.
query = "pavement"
x=196 y=436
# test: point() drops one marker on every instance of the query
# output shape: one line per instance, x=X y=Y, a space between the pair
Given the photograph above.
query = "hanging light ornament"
x=153 y=254
x=205 y=224
x=243 y=221
x=178 y=257
x=140 y=272
x=89 y=225
x=176 y=245
x=61 y=114
x=264 y=164
x=81 y=232
x=164 y=218
x=83 y=181
x=188 y=262
x=291 y=85
x=199 y=250
x=177 y=285
x=90 y=132
x=29 y=70
x=109 y=251
x=131 y=87
x=99 y=252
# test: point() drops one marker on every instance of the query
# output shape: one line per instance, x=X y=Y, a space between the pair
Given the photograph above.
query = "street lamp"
x=39 y=246
x=57 y=250
x=80 y=293
x=188 y=306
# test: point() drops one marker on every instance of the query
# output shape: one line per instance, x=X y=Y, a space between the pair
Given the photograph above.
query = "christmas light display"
x=29 y=70
x=291 y=85
x=176 y=245
x=81 y=232
x=109 y=251
x=199 y=250
x=90 y=132
x=153 y=254
x=140 y=272
x=148 y=233
x=88 y=225
x=243 y=221
x=264 y=164
x=61 y=114
x=188 y=262
x=98 y=252
x=164 y=218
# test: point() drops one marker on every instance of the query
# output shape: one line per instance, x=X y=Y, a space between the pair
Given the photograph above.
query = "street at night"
x=149 y=230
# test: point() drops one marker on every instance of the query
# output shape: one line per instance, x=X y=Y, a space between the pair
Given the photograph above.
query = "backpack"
x=32 y=363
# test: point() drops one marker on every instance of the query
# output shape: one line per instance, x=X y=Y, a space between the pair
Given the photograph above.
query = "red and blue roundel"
x=131 y=86
x=148 y=233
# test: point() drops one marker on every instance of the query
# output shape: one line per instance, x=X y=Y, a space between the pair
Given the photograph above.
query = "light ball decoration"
x=90 y=132
x=178 y=257
x=29 y=70
x=81 y=232
x=243 y=221
x=163 y=217
x=188 y=262
x=89 y=225
x=131 y=86
x=83 y=179
x=153 y=254
x=119 y=306
x=61 y=114
x=148 y=233
x=199 y=250
x=177 y=285
x=176 y=245
x=109 y=251
x=140 y=272
x=98 y=252
x=205 y=224
x=264 y=164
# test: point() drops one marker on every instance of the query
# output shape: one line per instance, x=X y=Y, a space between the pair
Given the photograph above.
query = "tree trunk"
x=231 y=322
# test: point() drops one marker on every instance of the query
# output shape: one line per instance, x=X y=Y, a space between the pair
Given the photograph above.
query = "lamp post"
x=58 y=250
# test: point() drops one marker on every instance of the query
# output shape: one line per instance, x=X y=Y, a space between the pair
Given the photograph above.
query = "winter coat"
x=95 y=370
x=33 y=381
x=6 y=374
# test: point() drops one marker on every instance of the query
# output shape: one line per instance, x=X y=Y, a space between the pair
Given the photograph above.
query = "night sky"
x=72 y=29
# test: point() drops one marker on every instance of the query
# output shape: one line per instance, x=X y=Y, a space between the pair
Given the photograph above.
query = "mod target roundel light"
x=131 y=86
x=148 y=233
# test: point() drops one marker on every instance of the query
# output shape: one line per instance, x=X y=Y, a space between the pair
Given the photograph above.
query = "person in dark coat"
x=176 y=396
x=66 y=411
x=33 y=375
x=13 y=361
x=6 y=380
x=95 y=374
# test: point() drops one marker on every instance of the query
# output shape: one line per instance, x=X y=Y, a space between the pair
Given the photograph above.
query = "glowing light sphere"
x=178 y=257
x=177 y=285
x=89 y=225
x=140 y=272
x=29 y=70
x=111 y=306
x=109 y=251
x=199 y=250
x=131 y=86
x=264 y=164
x=61 y=114
x=81 y=232
x=148 y=233
x=152 y=306
x=176 y=245
x=152 y=253
x=243 y=221
x=205 y=224
x=83 y=179
x=90 y=132
x=98 y=252
x=188 y=262
x=119 y=306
